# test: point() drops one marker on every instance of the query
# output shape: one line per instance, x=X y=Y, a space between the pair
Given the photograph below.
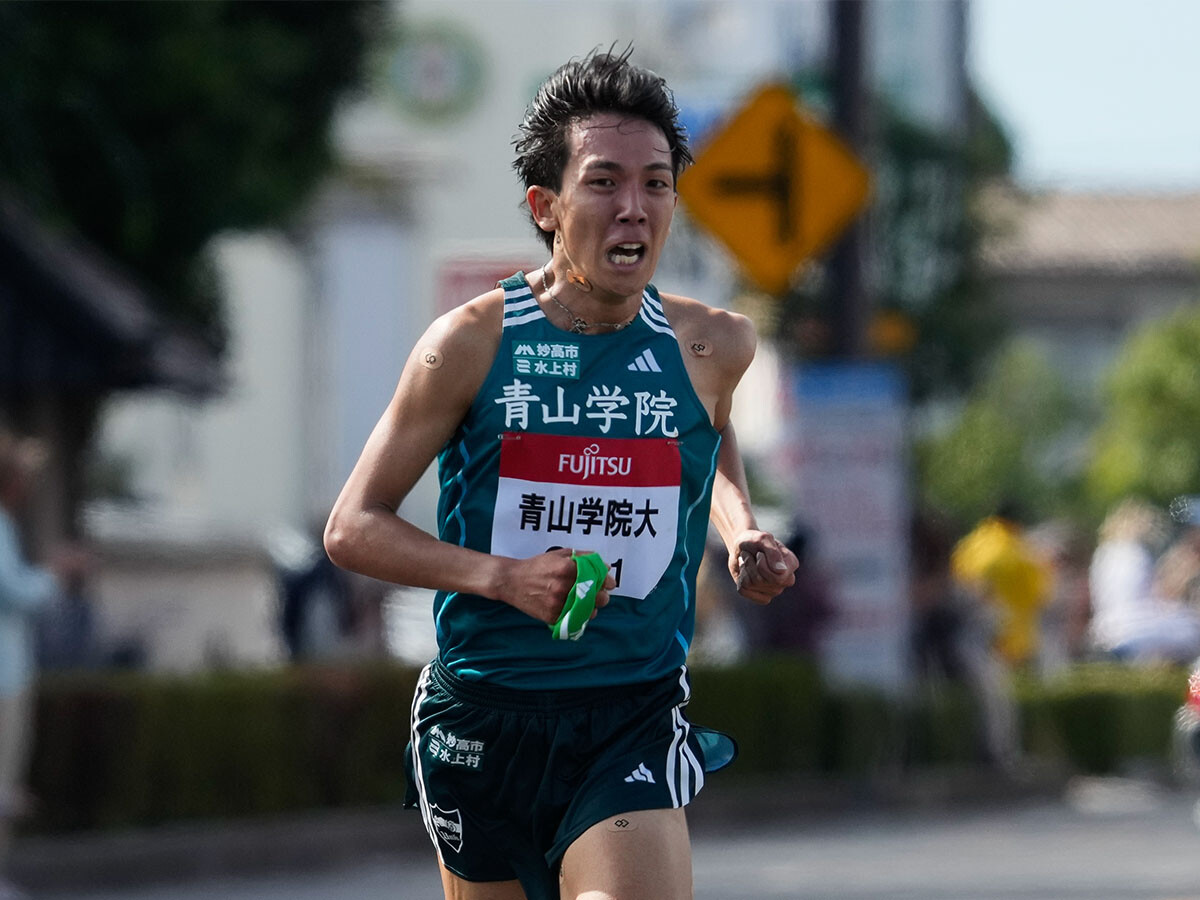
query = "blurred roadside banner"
x=461 y=276
x=843 y=453
x=775 y=186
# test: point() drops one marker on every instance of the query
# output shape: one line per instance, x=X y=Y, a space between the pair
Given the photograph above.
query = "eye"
x=602 y=181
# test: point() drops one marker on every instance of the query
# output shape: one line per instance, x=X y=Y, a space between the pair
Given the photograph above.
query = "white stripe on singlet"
x=520 y=307
x=652 y=314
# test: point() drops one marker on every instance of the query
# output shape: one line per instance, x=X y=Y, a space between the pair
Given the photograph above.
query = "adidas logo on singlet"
x=645 y=362
x=641 y=773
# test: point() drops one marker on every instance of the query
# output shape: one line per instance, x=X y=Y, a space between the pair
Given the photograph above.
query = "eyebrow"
x=613 y=166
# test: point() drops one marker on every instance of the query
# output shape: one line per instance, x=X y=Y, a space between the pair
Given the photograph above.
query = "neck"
x=564 y=275
x=590 y=311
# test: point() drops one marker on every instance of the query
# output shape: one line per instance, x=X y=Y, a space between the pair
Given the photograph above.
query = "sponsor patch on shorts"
x=447 y=747
x=448 y=825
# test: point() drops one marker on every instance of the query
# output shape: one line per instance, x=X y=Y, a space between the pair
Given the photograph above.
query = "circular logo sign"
x=435 y=71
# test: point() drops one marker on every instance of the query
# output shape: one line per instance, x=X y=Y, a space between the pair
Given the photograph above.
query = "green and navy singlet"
x=593 y=442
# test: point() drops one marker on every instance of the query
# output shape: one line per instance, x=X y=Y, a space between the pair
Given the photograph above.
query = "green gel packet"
x=590 y=572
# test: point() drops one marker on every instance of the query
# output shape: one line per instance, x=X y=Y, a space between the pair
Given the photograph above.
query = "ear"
x=541 y=202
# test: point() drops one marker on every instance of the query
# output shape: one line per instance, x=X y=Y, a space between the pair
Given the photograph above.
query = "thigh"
x=642 y=855
x=456 y=888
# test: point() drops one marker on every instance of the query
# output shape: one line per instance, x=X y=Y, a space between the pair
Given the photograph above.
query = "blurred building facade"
x=1078 y=272
x=426 y=214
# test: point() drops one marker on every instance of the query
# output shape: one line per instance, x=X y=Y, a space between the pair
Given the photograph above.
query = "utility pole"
x=849 y=305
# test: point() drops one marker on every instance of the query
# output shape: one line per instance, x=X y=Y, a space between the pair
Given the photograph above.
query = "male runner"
x=572 y=409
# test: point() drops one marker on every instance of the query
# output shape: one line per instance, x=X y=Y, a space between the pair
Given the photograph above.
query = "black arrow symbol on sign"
x=776 y=183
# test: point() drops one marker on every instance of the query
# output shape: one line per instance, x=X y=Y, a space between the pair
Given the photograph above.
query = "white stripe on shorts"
x=685 y=774
x=415 y=736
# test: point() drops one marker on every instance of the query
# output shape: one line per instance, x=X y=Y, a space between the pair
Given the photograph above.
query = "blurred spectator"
x=1177 y=572
x=796 y=620
x=997 y=562
x=953 y=636
x=325 y=613
x=939 y=611
x=66 y=631
x=24 y=589
x=1132 y=618
x=1010 y=586
x=316 y=612
x=1066 y=614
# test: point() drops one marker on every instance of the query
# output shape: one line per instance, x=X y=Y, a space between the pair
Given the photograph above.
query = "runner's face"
x=618 y=195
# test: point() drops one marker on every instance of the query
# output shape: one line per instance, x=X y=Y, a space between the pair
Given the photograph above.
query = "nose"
x=632 y=206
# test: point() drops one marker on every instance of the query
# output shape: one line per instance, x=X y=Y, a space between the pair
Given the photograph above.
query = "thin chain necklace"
x=578 y=324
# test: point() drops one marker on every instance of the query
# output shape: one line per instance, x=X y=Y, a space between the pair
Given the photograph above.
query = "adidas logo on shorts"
x=641 y=773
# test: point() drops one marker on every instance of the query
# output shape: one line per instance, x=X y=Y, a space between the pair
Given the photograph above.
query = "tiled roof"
x=1062 y=232
x=68 y=286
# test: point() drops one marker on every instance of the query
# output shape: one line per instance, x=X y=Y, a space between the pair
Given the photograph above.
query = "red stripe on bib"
x=610 y=462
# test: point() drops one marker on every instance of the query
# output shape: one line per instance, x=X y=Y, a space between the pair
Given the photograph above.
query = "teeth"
x=625 y=253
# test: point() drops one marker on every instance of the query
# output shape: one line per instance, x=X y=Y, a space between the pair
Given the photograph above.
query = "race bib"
x=616 y=496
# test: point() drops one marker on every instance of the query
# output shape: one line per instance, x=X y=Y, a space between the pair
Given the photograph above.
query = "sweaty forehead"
x=613 y=136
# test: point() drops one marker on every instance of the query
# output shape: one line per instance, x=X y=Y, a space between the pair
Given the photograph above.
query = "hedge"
x=1102 y=717
x=125 y=750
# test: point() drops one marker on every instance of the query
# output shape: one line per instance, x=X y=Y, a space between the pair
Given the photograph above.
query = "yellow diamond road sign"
x=775 y=186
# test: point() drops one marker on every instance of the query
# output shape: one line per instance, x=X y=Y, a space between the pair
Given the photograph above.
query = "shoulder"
x=727 y=338
x=450 y=361
x=467 y=335
x=478 y=319
x=717 y=347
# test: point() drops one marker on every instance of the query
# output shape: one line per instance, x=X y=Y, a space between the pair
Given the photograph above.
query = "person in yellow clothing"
x=999 y=565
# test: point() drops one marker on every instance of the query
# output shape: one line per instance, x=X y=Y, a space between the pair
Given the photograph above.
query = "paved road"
x=1040 y=852
x=1106 y=840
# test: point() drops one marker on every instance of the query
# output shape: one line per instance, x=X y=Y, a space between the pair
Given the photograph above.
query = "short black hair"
x=601 y=82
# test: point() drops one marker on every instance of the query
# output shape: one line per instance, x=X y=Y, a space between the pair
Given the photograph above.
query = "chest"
x=620 y=386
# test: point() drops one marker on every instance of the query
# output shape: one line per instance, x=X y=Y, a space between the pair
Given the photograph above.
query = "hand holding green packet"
x=590 y=572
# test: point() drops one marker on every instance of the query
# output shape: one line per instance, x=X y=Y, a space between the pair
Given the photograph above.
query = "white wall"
x=232 y=462
x=188 y=607
x=366 y=323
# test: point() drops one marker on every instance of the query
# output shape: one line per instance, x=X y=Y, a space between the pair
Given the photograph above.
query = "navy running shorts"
x=507 y=779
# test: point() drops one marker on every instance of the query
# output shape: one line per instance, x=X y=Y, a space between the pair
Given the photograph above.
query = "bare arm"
x=364 y=532
x=23 y=588
x=759 y=564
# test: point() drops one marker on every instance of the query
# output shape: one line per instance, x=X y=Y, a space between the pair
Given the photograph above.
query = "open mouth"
x=626 y=254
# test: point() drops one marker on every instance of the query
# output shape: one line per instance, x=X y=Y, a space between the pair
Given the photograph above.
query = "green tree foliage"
x=925 y=232
x=1148 y=441
x=929 y=239
x=149 y=127
x=1007 y=443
